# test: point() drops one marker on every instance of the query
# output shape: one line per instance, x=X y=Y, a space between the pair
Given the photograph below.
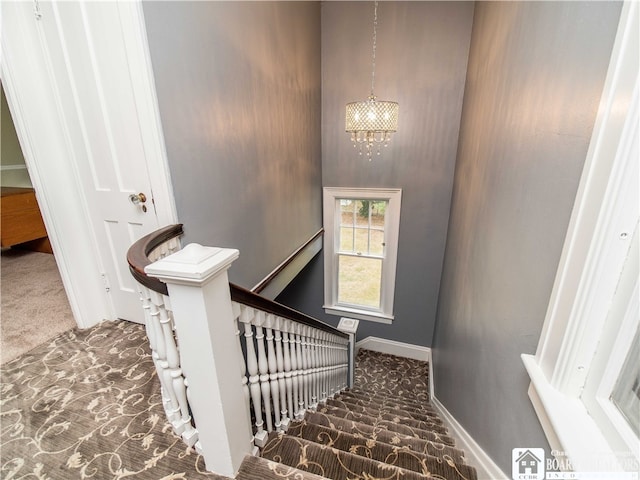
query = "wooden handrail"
x=247 y=297
x=138 y=256
x=263 y=284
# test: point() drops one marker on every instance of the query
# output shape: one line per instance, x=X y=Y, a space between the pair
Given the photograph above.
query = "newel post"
x=198 y=285
x=350 y=327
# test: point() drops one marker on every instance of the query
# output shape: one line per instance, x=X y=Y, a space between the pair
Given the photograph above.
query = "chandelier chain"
x=371 y=122
x=373 y=53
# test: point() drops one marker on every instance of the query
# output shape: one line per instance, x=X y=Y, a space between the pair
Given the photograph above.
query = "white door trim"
x=135 y=35
x=34 y=103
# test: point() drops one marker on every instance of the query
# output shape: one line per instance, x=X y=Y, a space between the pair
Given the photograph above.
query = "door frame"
x=36 y=110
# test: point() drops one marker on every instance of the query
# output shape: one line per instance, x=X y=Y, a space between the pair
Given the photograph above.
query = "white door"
x=90 y=60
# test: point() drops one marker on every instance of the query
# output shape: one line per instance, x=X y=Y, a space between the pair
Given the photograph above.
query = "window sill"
x=359 y=314
x=569 y=428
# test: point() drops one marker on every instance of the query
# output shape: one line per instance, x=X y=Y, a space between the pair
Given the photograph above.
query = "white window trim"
x=600 y=231
x=392 y=227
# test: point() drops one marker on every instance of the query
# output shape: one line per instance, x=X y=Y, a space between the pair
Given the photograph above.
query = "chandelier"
x=371 y=122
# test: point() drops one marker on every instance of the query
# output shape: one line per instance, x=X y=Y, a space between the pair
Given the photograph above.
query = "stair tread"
x=424 y=409
x=397 y=455
x=396 y=416
x=331 y=462
x=256 y=468
x=421 y=403
x=389 y=408
x=387 y=425
x=387 y=374
x=393 y=438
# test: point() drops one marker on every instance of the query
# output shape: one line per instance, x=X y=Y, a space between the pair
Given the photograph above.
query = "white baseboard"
x=474 y=454
x=392 y=347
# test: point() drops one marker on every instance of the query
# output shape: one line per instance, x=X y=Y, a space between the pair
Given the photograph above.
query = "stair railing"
x=233 y=366
x=293 y=361
x=160 y=328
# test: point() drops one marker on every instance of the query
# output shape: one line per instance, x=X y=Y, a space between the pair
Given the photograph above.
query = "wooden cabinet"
x=21 y=221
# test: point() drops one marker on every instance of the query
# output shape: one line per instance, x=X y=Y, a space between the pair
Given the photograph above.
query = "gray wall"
x=536 y=73
x=239 y=92
x=421 y=63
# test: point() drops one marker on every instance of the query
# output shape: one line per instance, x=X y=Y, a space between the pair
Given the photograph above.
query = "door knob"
x=137 y=198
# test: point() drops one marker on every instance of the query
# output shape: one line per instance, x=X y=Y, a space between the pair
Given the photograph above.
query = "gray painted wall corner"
x=535 y=77
x=421 y=62
x=239 y=93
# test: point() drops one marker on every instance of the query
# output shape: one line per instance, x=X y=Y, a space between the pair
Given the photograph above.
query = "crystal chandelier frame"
x=371 y=122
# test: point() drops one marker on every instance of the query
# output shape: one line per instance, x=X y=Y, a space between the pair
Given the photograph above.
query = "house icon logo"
x=527 y=463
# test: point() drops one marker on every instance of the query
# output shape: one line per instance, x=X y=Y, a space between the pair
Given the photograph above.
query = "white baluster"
x=323 y=363
x=340 y=365
x=236 y=311
x=337 y=381
x=300 y=412
x=342 y=378
x=294 y=369
x=315 y=379
x=263 y=365
x=345 y=363
x=252 y=368
x=273 y=371
x=281 y=375
x=172 y=408
x=183 y=425
x=287 y=368
x=331 y=364
x=306 y=364
x=152 y=335
x=332 y=367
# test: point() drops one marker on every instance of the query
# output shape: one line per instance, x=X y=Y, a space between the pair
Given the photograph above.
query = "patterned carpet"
x=384 y=428
x=87 y=405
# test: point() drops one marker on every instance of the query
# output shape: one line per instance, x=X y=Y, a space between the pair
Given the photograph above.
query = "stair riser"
x=387 y=425
x=419 y=404
x=392 y=438
x=382 y=452
x=330 y=462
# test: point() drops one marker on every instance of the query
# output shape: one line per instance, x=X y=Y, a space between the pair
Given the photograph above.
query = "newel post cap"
x=193 y=265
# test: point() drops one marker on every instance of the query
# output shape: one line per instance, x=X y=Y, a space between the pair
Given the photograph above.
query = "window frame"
x=332 y=221
x=581 y=308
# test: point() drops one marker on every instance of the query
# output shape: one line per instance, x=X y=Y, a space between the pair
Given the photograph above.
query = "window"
x=582 y=386
x=626 y=394
x=361 y=229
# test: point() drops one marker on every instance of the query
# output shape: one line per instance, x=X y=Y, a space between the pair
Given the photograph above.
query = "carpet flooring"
x=87 y=405
x=384 y=428
x=34 y=304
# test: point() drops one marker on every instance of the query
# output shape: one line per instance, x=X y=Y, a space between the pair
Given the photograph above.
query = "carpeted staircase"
x=87 y=405
x=384 y=428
